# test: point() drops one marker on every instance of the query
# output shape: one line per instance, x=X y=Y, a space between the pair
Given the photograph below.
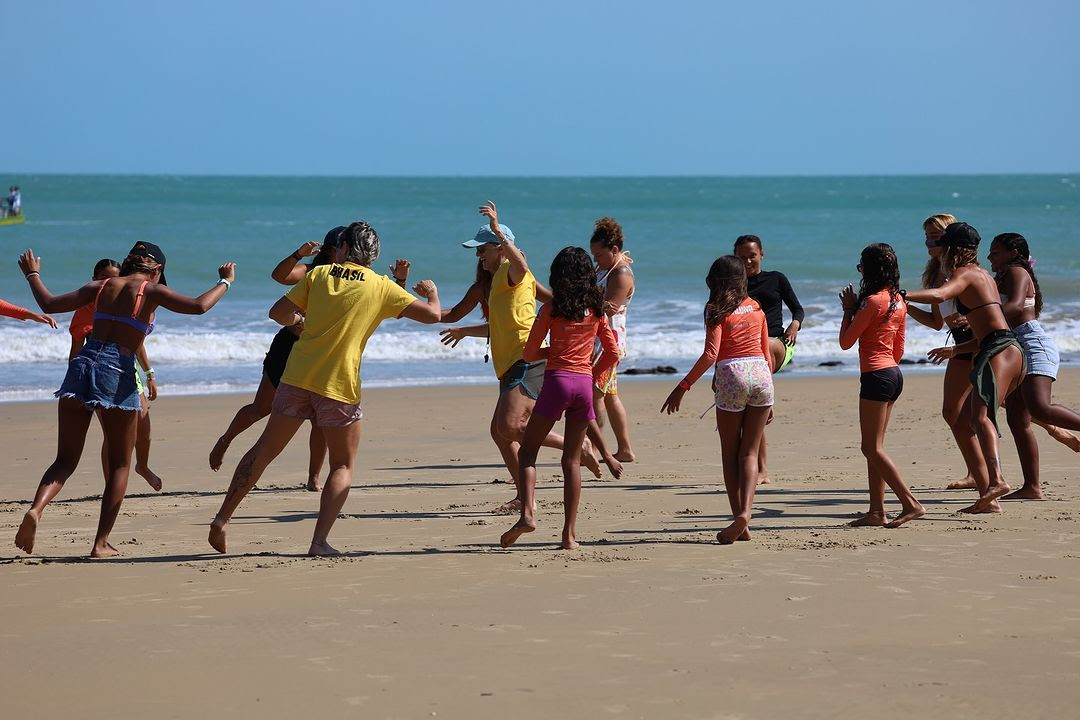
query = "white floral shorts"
x=742 y=382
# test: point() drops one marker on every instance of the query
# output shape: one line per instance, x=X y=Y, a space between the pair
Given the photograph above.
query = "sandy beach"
x=949 y=616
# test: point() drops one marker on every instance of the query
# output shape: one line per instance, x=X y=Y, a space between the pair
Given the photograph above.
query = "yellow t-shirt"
x=342 y=306
x=511 y=313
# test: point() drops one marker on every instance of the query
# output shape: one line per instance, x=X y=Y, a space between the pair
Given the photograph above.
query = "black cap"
x=334 y=237
x=152 y=251
x=960 y=235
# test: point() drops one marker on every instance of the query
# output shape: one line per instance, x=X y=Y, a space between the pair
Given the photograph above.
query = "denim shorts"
x=1040 y=350
x=102 y=375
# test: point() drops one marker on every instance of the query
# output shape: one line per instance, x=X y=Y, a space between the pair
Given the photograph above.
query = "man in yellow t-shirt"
x=511 y=310
x=340 y=305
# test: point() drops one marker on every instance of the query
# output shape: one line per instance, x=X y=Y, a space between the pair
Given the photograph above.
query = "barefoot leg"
x=316 y=456
x=245 y=417
x=73 y=420
x=620 y=425
x=121 y=427
x=571 y=467
x=538 y=428
x=276 y=435
x=142 y=447
x=342 y=443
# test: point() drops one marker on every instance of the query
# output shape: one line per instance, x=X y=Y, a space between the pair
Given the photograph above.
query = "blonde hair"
x=955 y=257
x=932 y=275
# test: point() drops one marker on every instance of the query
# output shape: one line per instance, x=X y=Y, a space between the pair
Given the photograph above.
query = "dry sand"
x=950 y=616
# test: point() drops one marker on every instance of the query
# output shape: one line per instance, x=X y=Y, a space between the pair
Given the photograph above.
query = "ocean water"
x=812 y=227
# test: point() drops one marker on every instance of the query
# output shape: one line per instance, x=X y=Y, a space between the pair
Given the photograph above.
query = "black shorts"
x=883 y=385
x=278 y=355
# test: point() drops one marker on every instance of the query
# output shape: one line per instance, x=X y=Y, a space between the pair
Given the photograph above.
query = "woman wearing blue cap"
x=510 y=310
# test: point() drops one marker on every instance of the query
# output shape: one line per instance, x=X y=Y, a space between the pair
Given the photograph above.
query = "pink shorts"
x=567 y=392
x=292 y=401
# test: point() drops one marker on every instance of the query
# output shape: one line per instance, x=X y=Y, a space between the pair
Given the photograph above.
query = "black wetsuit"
x=771 y=289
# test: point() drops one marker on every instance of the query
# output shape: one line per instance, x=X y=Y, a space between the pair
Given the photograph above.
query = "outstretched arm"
x=30 y=264
x=713 y=336
x=949 y=290
x=464 y=306
x=428 y=312
x=166 y=298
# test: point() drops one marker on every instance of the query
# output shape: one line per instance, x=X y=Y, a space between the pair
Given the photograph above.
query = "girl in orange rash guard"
x=737 y=341
x=575 y=318
x=876 y=319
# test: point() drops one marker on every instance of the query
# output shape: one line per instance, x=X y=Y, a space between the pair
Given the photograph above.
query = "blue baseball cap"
x=484 y=236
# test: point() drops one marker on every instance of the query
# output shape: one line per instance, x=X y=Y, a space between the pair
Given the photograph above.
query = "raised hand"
x=400 y=270
x=28 y=262
x=227 y=271
x=311 y=247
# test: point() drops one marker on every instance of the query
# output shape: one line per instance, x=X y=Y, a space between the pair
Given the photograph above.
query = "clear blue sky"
x=540 y=88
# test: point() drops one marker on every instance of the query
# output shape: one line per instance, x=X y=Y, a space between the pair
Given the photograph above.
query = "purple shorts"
x=292 y=401
x=567 y=392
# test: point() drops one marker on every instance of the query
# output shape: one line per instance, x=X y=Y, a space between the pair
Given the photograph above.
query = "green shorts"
x=788 y=354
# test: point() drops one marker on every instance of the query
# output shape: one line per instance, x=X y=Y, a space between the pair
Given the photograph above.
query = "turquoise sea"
x=813 y=229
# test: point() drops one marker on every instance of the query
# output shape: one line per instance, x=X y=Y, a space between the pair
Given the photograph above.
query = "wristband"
x=226 y=283
x=297 y=257
x=32 y=274
x=400 y=281
x=902 y=293
x=148 y=372
x=684 y=385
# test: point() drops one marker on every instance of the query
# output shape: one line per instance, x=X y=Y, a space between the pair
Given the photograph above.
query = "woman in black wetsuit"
x=771 y=290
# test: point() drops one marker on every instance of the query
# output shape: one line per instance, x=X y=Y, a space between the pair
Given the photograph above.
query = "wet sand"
x=949 y=616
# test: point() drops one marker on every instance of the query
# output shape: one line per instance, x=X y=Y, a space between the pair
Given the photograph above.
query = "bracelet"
x=226 y=283
x=31 y=274
x=298 y=257
x=148 y=372
x=400 y=281
x=684 y=385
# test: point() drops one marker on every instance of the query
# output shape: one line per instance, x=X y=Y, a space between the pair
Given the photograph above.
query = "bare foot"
x=745 y=536
x=217 y=455
x=964 y=483
x=217 y=535
x=1025 y=493
x=24 y=538
x=313 y=485
x=150 y=476
x=323 y=549
x=870 y=520
x=733 y=531
x=614 y=466
x=1066 y=438
x=907 y=515
x=104 y=551
x=763 y=480
x=510 y=507
x=520 y=528
x=569 y=543
x=999 y=489
x=978 y=508
x=626 y=456
x=588 y=459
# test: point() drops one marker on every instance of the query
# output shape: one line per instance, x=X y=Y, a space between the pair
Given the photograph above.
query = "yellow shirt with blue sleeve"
x=342 y=304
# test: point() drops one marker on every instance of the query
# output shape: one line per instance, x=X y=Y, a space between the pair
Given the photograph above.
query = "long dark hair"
x=727 y=288
x=1019 y=244
x=880 y=271
x=483 y=281
x=331 y=242
x=573 y=285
